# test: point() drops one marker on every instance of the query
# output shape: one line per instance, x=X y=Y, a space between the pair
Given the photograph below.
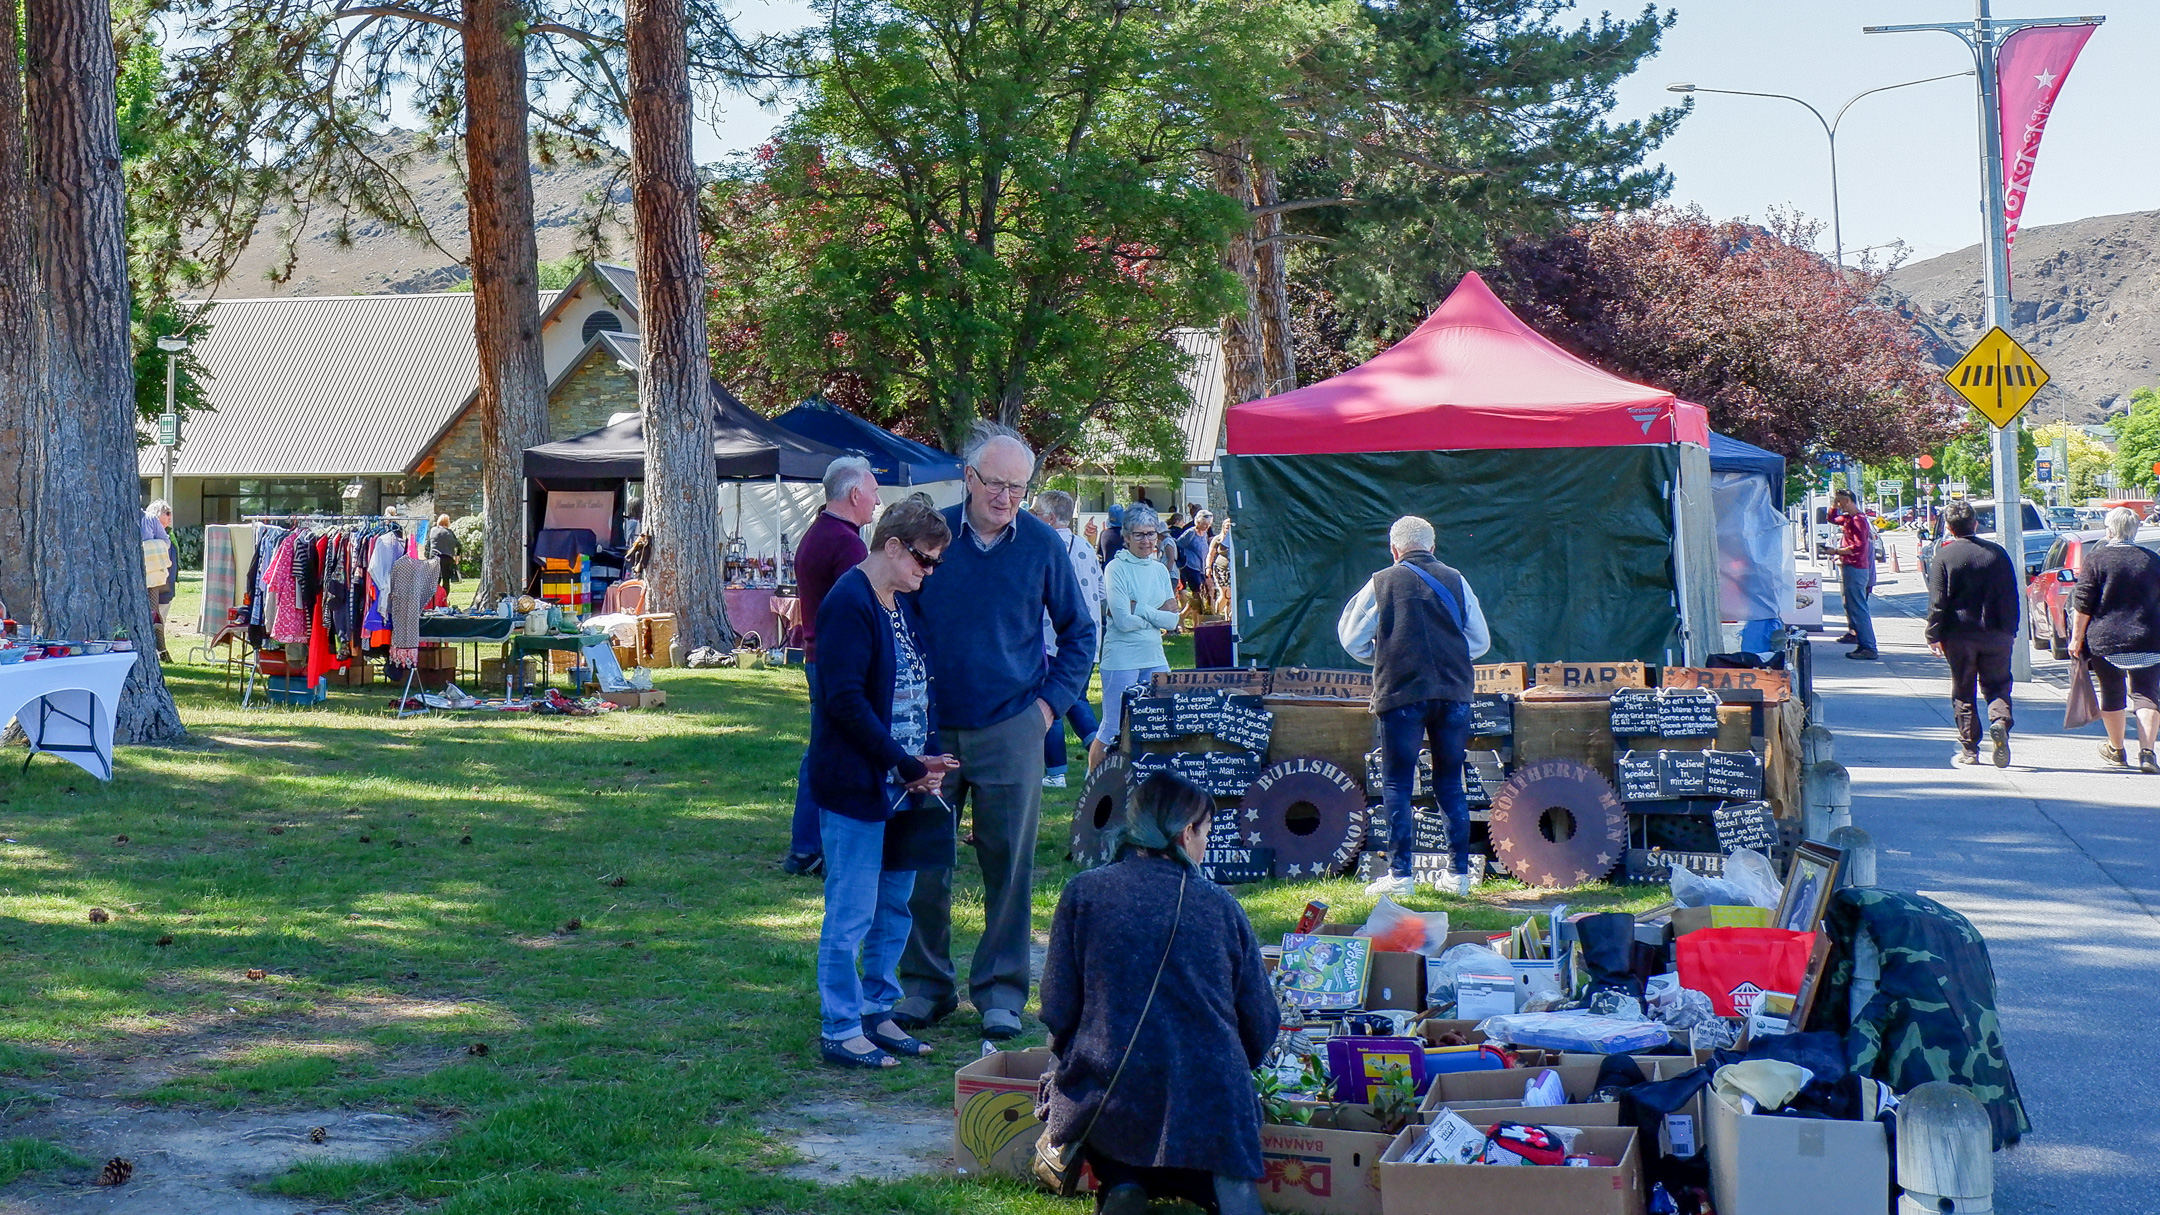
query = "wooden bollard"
x=1945 y=1145
x=1817 y=746
x=1826 y=797
x=1858 y=868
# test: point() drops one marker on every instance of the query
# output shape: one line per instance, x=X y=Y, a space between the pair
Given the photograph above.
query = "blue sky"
x=1907 y=160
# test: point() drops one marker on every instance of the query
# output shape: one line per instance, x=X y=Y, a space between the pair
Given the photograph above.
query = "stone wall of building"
x=598 y=389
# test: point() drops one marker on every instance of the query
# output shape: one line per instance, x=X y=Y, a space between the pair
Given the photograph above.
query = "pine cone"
x=316 y=1134
x=119 y=839
x=258 y=974
x=620 y=882
x=277 y=830
x=116 y=1171
x=572 y=924
x=464 y=839
x=165 y=940
x=367 y=839
x=99 y=915
x=477 y=1049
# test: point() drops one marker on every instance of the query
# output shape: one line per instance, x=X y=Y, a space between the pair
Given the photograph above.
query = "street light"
x=1829 y=126
x=169 y=424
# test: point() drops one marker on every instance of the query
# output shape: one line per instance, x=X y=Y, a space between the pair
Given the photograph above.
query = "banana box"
x=994 y=1123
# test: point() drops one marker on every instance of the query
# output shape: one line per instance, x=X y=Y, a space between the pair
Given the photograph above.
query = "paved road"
x=2056 y=862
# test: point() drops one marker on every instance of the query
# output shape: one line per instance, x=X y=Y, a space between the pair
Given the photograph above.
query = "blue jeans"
x=1857 y=583
x=1446 y=724
x=803 y=832
x=866 y=911
x=1082 y=720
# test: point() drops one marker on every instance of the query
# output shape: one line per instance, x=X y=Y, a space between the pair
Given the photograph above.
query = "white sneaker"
x=1462 y=883
x=1053 y=782
x=1392 y=887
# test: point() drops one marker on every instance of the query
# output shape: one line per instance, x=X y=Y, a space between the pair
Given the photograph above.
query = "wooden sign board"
x=1683 y=773
x=1235 y=865
x=1655 y=865
x=1640 y=778
x=1746 y=825
x=1500 y=677
x=1735 y=776
x=1687 y=713
x=1734 y=685
x=1235 y=679
x=1592 y=676
x=1310 y=683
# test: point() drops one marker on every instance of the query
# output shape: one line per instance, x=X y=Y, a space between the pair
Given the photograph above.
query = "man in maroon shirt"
x=1856 y=565
x=831 y=546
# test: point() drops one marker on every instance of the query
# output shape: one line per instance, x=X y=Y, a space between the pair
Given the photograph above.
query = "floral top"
x=911 y=690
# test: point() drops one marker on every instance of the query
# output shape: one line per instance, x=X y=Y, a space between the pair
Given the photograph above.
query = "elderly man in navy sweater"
x=996 y=696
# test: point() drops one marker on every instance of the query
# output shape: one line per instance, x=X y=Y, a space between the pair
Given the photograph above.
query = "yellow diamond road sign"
x=1997 y=377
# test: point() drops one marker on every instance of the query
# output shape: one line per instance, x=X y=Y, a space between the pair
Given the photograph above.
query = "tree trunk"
x=1278 y=359
x=22 y=419
x=88 y=515
x=682 y=492
x=1243 y=378
x=506 y=280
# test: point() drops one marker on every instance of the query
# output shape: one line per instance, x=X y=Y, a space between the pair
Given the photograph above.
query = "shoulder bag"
x=1058 y=1167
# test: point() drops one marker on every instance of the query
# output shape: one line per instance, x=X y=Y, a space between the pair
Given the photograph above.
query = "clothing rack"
x=322 y=518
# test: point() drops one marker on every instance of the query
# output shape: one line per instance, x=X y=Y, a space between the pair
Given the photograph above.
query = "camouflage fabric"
x=1932 y=1016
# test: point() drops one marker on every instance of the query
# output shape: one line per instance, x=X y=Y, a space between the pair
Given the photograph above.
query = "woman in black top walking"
x=2118 y=634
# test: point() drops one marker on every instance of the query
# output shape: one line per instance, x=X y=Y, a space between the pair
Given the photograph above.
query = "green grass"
x=633 y=1063
x=19 y=1156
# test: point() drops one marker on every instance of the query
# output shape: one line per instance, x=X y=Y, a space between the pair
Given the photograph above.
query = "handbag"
x=2083 y=705
x=1057 y=1166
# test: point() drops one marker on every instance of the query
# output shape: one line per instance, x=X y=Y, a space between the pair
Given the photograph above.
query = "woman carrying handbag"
x=1152 y=1083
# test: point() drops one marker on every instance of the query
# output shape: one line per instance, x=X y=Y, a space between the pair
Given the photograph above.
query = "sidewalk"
x=2054 y=860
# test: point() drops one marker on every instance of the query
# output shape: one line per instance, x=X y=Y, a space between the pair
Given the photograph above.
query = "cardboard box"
x=1329 y=1168
x=1394 y=980
x=438 y=658
x=1694 y=919
x=626 y=657
x=1761 y=1164
x=994 y=1123
x=1481 y=1189
x=634 y=699
x=1577 y=1079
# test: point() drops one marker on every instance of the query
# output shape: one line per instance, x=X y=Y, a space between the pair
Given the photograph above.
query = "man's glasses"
x=1146 y=535
x=999 y=489
x=922 y=559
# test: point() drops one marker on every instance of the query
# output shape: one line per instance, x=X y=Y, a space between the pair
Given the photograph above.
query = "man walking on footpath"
x=995 y=697
x=1419 y=626
x=1972 y=621
x=831 y=546
x=1856 y=567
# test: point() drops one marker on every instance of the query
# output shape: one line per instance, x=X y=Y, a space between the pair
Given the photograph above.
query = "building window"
x=602 y=321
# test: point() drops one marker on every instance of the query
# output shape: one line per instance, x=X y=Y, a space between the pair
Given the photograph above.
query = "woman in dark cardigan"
x=2118 y=616
x=872 y=744
x=1182 y=1119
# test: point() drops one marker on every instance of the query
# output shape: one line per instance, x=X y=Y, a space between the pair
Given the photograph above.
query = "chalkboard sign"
x=1431 y=830
x=1687 y=714
x=1682 y=773
x=1223 y=829
x=1245 y=721
x=1492 y=716
x=1230 y=866
x=1491 y=775
x=1641 y=776
x=1195 y=710
x=1746 y=825
x=1473 y=786
x=1734 y=774
x=1192 y=765
x=1230 y=773
x=1153 y=719
x=1142 y=764
x=1376 y=774
x=1635 y=714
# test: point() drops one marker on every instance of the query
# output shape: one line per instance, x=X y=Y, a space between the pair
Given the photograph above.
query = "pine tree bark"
x=1278 y=358
x=22 y=423
x=682 y=491
x=506 y=279
x=1243 y=375
x=88 y=506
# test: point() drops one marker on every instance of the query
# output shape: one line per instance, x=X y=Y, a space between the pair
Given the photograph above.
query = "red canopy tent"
x=1473 y=376
x=1577 y=503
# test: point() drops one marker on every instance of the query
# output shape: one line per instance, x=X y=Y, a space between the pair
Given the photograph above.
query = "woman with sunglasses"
x=1141 y=605
x=872 y=751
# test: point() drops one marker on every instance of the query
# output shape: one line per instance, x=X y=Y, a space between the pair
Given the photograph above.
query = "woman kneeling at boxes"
x=1159 y=1008
x=872 y=746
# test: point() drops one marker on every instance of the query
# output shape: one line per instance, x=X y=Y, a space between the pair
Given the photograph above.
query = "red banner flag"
x=2030 y=68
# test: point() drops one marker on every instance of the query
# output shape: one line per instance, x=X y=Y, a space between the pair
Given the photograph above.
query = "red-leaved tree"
x=1744 y=319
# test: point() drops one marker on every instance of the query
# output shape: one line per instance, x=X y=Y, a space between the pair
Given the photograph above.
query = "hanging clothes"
x=288 y=623
x=412 y=584
x=228 y=552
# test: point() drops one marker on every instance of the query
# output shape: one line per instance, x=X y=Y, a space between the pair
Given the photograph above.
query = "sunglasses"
x=925 y=561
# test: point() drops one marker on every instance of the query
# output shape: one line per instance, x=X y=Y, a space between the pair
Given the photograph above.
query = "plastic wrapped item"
x=1749 y=881
x=1544 y=1089
x=1582 y=1032
x=1610 y=1003
x=1717 y=1033
x=1440 y=980
x=1682 y=1008
x=1397 y=929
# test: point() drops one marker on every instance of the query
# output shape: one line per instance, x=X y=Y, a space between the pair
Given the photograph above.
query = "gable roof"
x=617 y=283
x=326 y=385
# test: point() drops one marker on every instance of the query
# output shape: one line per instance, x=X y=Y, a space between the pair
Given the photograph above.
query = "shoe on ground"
x=1001 y=1024
x=1965 y=758
x=1462 y=883
x=1053 y=780
x=800 y=864
x=1848 y=638
x=1999 y=734
x=2149 y=763
x=1864 y=655
x=2113 y=756
x=1393 y=886
x=920 y=1012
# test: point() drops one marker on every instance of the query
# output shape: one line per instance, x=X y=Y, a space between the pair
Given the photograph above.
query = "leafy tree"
x=1784 y=350
x=1970 y=457
x=991 y=209
x=2089 y=457
x=2137 y=441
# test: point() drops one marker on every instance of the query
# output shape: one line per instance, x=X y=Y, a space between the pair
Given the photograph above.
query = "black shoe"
x=905 y=1017
x=799 y=865
x=901 y=1045
x=1849 y=638
x=836 y=1055
x=2149 y=763
x=1863 y=655
x=1999 y=734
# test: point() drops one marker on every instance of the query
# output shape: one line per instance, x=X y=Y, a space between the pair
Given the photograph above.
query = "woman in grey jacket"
x=1140 y=605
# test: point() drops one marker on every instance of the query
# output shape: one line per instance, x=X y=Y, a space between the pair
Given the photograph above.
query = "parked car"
x=2048 y=594
x=1829 y=537
x=2064 y=519
x=2038 y=535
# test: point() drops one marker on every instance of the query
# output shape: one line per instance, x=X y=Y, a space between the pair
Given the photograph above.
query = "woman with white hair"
x=2117 y=632
x=1140 y=604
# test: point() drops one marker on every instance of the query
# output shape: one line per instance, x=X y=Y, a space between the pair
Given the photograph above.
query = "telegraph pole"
x=1983 y=35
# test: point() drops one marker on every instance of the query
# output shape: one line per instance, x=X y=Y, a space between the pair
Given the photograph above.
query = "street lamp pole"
x=1830 y=130
x=173 y=348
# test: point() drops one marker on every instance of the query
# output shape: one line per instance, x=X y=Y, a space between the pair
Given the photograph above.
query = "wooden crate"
x=1578 y=730
x=1341 y=733
x=656 y=640
x=1590 y=677
x=626 y=657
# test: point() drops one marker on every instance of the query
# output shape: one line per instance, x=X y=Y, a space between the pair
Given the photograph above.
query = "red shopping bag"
x=1734 y=965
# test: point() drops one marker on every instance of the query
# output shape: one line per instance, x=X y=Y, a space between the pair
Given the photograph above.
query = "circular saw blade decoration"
x=1099 y=815
x=1557 y=823
x=1310 y=812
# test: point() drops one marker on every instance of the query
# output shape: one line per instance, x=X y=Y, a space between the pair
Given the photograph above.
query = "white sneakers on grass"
x=1398 y=888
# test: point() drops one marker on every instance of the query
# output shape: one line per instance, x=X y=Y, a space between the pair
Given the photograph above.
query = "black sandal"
x=838 y=1055
x=911 y=1047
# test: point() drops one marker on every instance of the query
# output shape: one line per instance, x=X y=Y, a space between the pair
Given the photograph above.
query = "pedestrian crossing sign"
x=1997 y=377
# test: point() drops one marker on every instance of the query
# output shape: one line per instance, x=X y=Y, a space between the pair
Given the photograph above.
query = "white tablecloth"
x=81 y=698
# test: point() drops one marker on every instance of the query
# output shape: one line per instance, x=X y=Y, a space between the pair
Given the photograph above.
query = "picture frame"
x=1810 y=880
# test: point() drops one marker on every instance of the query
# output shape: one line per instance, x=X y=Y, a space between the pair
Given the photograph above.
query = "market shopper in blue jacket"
x=873 y=744
x=996 y=696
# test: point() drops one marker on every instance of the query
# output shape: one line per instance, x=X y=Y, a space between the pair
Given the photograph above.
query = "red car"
x=2047 y=596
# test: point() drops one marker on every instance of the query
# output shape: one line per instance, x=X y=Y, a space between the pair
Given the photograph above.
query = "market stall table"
x=750 y=609
x=62 y=703
x=457 y=630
